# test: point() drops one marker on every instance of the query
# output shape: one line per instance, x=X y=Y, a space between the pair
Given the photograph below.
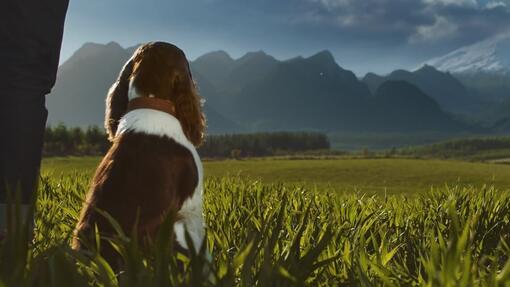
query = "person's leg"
x=22 y=124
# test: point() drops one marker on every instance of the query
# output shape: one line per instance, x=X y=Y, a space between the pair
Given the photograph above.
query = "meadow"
x=340 y=175
x=271 y=222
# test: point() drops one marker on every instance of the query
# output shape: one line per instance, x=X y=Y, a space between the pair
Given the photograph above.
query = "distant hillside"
x=448 y=91
x=488 y=86
x=502 y=114
x=78 y=98
x=208 y=65
x=223 y=77
x=476 y=149
x=256 y=92
x=373 y=81
x=311 y=93
x=400 y=105
x=503 y=125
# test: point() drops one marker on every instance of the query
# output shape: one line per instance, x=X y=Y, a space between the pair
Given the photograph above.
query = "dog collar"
x=151 y=103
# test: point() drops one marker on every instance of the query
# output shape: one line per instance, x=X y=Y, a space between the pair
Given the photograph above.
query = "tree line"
x=63 y=141
x=92 y=141
x=459 y=147
x=263 y=144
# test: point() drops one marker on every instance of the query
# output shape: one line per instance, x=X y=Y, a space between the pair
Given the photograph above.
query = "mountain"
x=217 y=65
x=315 y=93
x=501 y=117
x=502 y=126
x=302 y=93
x=447 y=90
x=373 y=81
x=402 y=106
x=78 y=98
x=223 y=77
x=488 y=87
x=502 y=113
x=491 y=55
x=250 y=67
x=483 y=67
x=257 y=92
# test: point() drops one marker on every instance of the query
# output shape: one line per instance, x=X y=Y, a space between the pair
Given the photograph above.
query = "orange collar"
x=151 y=103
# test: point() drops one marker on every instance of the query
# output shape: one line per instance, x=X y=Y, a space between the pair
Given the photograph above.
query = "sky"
x=363 y=35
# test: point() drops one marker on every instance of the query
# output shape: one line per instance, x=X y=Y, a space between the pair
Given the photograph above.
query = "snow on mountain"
x=490 y=55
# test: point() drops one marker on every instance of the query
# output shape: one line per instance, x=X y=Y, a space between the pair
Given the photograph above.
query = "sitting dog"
x=154 y=121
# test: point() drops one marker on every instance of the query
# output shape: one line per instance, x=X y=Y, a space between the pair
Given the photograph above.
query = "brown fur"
x=142 y=175
x=161 y=70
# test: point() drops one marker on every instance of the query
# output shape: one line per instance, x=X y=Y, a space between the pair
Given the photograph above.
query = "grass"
x=283 y=235
x=303 y=232
x=371 y=176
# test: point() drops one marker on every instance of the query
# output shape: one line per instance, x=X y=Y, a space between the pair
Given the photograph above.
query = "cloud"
x=367 y=12
x=495 y=4
x=362 y=34
x=414 y=21
x=441 y=29
x=465 y=3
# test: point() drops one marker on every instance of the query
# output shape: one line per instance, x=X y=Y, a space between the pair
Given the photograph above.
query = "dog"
x=154 y=120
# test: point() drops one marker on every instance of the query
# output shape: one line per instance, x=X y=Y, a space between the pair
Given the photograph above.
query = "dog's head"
x=158 y=70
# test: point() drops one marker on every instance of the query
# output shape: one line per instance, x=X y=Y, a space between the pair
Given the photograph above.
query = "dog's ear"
x=117 y=100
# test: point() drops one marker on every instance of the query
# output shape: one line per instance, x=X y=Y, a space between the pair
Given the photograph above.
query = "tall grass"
x=281 y=235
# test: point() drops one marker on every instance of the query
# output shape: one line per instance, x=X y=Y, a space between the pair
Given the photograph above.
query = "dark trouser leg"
x=22 y=124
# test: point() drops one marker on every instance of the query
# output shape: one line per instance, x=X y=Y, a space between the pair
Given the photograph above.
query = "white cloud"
x=332 y=4
x=441 y=29
x=495 y=4
x=465 y=3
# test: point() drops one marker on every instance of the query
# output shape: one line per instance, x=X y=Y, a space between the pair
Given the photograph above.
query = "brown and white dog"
x=154 y=120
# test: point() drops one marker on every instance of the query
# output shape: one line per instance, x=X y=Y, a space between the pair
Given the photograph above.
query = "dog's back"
x=142 y=179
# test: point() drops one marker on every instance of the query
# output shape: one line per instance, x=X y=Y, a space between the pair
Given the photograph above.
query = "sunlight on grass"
x=392 y=176
x=282 y=235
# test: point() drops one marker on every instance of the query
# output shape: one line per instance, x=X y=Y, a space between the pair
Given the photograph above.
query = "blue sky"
x=363 y=35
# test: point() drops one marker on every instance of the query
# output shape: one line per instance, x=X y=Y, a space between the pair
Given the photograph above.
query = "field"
x=308 y=231
x=371 y=176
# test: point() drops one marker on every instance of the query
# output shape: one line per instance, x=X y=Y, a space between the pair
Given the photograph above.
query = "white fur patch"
x=153 y=122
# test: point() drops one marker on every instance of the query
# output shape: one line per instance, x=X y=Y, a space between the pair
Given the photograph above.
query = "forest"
x=92 y=141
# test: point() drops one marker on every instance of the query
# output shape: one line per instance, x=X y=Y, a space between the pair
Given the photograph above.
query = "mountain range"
x=447 y=90
x=257 y=92
x=78 y=98
x=483 y=67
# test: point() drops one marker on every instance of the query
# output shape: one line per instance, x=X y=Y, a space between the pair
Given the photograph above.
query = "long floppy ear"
x=189 y=109
x=117 y=100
